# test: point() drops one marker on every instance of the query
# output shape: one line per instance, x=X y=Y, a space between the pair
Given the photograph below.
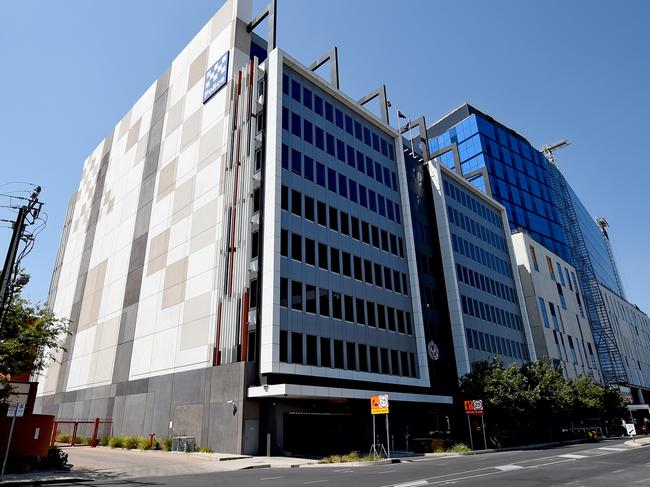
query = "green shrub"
x=104 y=441
x=350 y=457
x=130 y=442
x=82 y=440
x=204 y=449
x=144 y=443
x=56 y=460
x=458 y=448
x=63 y=438
x=166 y=444
x=116 y=442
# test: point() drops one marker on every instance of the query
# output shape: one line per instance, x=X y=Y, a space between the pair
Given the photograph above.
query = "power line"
x=28 y=214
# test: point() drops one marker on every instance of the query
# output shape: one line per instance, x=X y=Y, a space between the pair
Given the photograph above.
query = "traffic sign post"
x=14 y=411
x=475 y=408
x=379 y=405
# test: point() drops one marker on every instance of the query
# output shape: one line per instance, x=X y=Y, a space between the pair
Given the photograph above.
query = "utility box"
x=185 y=444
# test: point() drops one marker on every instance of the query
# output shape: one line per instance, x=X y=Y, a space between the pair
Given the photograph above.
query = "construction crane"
x=549 y=149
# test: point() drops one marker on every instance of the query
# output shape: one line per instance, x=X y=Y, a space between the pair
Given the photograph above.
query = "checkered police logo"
x=216 y=77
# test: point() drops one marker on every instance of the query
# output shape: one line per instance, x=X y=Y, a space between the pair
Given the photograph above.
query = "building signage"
x=16 y=410
x=379 y=404
x=474 y=407
x=216 y=77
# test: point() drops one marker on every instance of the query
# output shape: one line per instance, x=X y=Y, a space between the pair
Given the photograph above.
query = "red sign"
x=474 y=407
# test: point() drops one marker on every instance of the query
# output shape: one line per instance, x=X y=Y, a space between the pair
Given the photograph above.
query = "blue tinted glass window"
x=378 y=172
x=320 y=174
x=361 y=165
x=372 y=200
x=357 y=130
x=348 y=125
x=391 y=152
x=329 y=111
x=340 y=150
x=353 y=190
x=331 y=179
x=363 y=196
x=308 y=131
x=318 y=105
x=390 y=210
x=285 y=84
x=285 y=118
x=387 y=177
x=296 y=161
x=320 y=143
x=375 y=142
x=343 y=186
x=306 y=97
x=295 y=124
x=384 y=148
x=285 y=156
x=330 y=144
x=339 y=118
x=350 y=151
x=381 y=205
x=366 y=136
x=295 y=90
x=393 y=177
x=398 y=216
x=369 y=167
x=309 y=168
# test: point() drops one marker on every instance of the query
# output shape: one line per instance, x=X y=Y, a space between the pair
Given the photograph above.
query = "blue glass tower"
x=539 y=200
x=516 y=171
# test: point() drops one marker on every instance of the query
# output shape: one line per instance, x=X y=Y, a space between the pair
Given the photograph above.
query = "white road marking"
x=641 y=481
x=415 y=483
x=271 y=478
x=507 y=468
x=618 y=471
x=388 y=471
x=573 y=455
x=610 y=448
x=315 y=482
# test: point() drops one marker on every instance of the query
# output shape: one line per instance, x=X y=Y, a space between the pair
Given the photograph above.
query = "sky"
x=555 y=69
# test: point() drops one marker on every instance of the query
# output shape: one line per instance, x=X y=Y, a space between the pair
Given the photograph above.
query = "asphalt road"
x=605 y=464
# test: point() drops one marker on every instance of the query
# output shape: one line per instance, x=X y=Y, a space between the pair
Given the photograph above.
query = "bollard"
x=151 y=435
x=93 y=440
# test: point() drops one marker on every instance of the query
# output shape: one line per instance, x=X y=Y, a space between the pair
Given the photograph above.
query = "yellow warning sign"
x=379 y=404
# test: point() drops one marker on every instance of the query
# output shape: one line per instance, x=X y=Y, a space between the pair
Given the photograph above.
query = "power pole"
x=30 y=210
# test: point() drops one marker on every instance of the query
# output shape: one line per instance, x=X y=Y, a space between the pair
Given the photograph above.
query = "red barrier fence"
x=80 y=431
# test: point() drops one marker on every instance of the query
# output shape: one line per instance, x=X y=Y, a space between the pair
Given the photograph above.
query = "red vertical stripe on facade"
x=244 y=327
x=216 y=358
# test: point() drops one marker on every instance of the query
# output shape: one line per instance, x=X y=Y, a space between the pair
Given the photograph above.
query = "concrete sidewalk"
x=108 y=463
x=639 y=441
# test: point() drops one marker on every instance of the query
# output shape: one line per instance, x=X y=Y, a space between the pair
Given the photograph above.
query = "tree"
x=536 y=401
x=30 y=337
x=552 y=395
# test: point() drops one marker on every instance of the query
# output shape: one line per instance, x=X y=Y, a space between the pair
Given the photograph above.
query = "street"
x=603 y=464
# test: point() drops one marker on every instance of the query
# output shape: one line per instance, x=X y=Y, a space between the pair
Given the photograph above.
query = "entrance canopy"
x=298 y=391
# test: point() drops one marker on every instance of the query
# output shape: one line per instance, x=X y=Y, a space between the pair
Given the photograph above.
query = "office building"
x=558 y=322
x=239 y=263
x=540 y=202
x=507 y=167
x=484 y=293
